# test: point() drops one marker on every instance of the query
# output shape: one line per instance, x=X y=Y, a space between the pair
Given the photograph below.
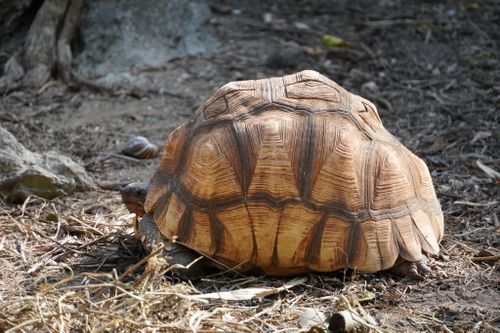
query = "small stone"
x=444 y=188
x=301 y=26
x=370 y=86
x=267 y=18
x=451 y=68
x=451 y=12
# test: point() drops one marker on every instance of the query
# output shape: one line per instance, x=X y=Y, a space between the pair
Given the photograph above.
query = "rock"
x=119 y=35
x=24 y=173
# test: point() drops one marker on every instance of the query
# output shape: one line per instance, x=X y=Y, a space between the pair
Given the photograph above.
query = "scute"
x=294 y=240
x=407 y=238
x=427 y=233
x=168 y=217
x=275 y=145
x=381 y=242
x=265 y=223
x=160 y=184
x=201 y=235
x=337 y=173
x=392 y=179
x=210 y=172
x=237 y=231
x=333 y=253
x=294 y=174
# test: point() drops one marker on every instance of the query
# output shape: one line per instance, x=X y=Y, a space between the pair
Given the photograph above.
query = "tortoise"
x=288 y=175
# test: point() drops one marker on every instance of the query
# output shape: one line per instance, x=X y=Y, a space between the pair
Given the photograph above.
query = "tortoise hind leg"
x=176 y=254
x=414 y=270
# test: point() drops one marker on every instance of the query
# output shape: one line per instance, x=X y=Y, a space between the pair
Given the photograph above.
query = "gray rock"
x=24 y=173
x=120 y=35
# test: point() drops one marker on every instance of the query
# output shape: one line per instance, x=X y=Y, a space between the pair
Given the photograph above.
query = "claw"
x=414 y=273
x=422 y=267
x=414 y=270
x=418 y=269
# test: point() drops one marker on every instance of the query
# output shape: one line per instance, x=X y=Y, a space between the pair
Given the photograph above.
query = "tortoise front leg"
x=147 y=232
x=414 y=270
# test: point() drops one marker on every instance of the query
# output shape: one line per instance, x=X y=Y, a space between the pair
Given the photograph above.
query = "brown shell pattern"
x=294 y=174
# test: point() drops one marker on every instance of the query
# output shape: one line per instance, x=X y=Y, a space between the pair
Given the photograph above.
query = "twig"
x=387 y=23
x=25 y=323
x=62 y=245
x=472 y=231
x=486 y=259
x=111 y=186
x=476 y=204
x=125 y=157
x=90 y=228
x=136 y=266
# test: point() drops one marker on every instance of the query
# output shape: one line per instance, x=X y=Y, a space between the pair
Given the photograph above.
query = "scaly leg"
x=176 y=254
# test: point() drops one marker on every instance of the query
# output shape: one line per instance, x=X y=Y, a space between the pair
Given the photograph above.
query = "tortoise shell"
x=293 y=174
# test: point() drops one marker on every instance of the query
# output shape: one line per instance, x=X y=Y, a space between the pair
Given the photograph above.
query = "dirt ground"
x=431 y=67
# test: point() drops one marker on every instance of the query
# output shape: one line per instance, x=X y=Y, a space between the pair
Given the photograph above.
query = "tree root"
x=46 y=51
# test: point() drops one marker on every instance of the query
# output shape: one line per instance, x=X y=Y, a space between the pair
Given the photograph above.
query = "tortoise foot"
x=182 y=262
x=414 y=270
x=185 y=263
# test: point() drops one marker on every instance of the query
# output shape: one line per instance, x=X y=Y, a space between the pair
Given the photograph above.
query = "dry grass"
x=73 y=265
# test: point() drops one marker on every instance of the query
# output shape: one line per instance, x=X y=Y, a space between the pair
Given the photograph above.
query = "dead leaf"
x=480 y=135
x=245 y=294
x=311 y=317
x=367 y=296
x=471 y=6
x=334 y=41
x=438 y=145
x=489 y=171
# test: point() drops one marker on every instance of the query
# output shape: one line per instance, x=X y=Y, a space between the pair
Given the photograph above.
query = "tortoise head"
x=134 y=196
